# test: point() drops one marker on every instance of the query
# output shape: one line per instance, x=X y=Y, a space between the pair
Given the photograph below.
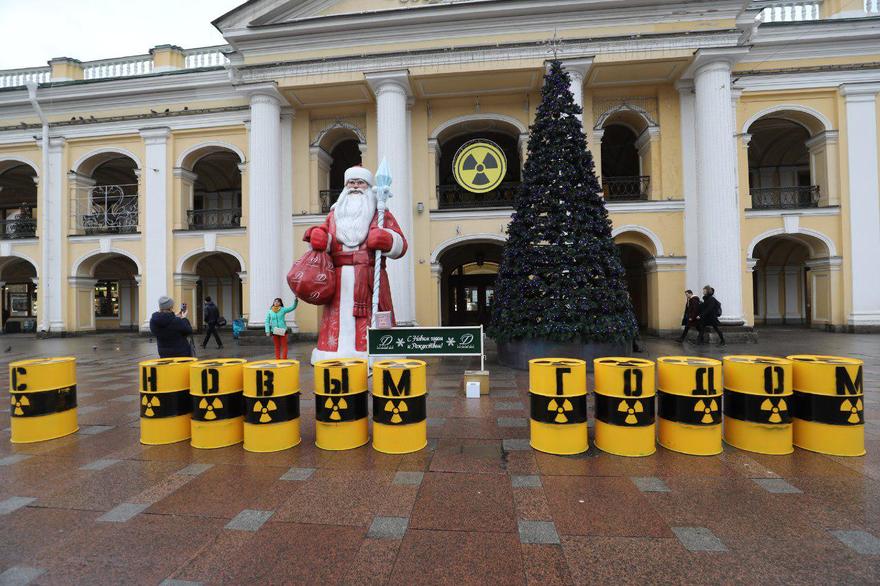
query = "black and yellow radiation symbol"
x=560 y=408
x=708 y=411
x=149 y=404
x=479 y=166
x=631 y=411
x=776 y=410
x=19 y=403
x=335 y=406
x=855 y=410
x=396 y=410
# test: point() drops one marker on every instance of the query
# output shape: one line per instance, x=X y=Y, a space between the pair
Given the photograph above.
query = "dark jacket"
x=212 y=314
x=172 y=334
x=709 y=310
x=691 y=311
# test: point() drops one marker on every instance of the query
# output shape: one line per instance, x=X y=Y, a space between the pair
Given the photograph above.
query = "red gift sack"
x=313 y=278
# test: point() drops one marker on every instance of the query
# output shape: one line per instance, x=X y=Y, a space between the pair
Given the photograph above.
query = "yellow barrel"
x=400 y=396
x=757 y=399
x=828 y=411
x=689 y=394
x=624 y=390
x=558 y=405
x=271 y=405
x=43 y=399
x=165 y=400
x=341 y=412
x=217 y=402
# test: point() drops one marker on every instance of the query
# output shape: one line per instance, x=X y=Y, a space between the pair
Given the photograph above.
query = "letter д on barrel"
x=625 y=406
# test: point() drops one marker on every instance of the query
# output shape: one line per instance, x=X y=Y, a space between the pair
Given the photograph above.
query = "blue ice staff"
x=382 y=189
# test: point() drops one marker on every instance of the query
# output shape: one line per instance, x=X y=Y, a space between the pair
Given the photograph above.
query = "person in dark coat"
x=691 y=314
x=172 y=331
x=212 y=316
x=710 y=311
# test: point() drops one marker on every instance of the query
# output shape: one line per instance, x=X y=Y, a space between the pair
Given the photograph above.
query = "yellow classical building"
x=737 y=144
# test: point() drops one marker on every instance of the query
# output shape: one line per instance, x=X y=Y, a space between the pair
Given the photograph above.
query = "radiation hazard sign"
x=479 y=166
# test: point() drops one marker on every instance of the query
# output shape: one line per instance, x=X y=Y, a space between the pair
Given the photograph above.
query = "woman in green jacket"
x=277 y=328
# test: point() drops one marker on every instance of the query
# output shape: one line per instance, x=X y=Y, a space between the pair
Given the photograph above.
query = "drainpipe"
x=44 y=208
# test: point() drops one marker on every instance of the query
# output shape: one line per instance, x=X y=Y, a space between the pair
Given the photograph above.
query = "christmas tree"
x=561 y=278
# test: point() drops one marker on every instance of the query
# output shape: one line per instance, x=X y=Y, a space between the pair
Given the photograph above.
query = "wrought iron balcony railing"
x=452 y=197
x=328 y=198
x=14 y=228
x=633 y=188
x=213 y=219
x=781 y=198
x=108 y=209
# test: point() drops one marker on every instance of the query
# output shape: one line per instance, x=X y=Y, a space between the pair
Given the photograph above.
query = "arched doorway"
x=334 y=151
x=450 y=195
x=792 y=281
x=633 y=258
x=18 y=295
x=467 y=282
x=105 y=194
x=18 y=200
x=216 y=195
x=107 y=293
x=218 y=278
x=626 y=156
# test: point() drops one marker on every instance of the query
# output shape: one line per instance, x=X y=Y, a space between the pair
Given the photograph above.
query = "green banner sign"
x=451 y=341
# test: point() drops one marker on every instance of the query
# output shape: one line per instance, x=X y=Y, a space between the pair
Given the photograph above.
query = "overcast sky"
x=34 y=31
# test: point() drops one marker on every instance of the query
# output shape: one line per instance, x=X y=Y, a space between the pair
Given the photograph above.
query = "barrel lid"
x=167 y=361
x=267 y=364
x=43 y=361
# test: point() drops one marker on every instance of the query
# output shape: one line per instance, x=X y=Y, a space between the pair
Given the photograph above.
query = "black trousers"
x=702 y=329
x=212 y=329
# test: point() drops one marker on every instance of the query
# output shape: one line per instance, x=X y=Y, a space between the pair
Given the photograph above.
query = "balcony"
x=634 y=188
x=108 y=209
x=15 y=228
x=454 y=197
x=219 y=219
x=785 y=198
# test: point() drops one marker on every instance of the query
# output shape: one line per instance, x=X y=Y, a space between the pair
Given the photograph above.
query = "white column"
x=718 y=226
x=864 y=201
x=52 y=239
x=689 y=184
x=392 y=90
x=577 y=70
x=287 y=256
x=155 y=216
x=264 y=203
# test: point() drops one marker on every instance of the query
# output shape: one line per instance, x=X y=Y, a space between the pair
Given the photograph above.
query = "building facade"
x=737 y=144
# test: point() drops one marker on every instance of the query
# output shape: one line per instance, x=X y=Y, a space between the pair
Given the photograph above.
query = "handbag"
x=279 y=331
x=221 y=322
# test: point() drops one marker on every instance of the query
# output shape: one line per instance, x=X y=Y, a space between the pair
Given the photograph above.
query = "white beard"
x=354 y=212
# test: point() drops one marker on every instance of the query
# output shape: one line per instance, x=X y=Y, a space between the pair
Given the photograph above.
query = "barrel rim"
x=54 y=359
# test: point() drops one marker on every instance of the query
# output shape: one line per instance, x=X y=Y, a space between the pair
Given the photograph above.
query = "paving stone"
x=859 y=541
x=512 y=422
x=20 y=575
x=388 y=527
x=125 y=398
x=14 y=459
x=172 y=582
x=525 y=481
x=650 y=484
x=537 y=532
x=86 y=409
x=249 y=520
x=96 y=429
x=14 y=503
x=411 y=478
x=122 y=513
x=503 y=394
x=514 y=445
x=194 y=469
x=298 y=474
x=99 y=464
x=698 y=539
x=776 y=486
x=509 y=406
x=436 y=421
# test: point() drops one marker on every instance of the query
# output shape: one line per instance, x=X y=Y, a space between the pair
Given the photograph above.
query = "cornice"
x=394 y=81
x=714 y=56
x=797 y=80
x=823 y=211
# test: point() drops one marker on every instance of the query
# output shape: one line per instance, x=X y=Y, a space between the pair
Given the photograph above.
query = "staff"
x=383 y=193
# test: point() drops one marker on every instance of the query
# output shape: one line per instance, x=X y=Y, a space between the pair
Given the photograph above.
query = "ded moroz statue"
x=352 y=236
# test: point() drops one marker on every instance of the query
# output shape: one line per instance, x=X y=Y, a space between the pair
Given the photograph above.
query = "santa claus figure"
x=352 y=236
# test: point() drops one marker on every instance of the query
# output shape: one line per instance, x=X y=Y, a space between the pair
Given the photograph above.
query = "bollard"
x=558 y=406
x=165 y=402
x=689 y=394
x=828 y=411
x=217 y=403
x=624 y=390
x=399 y=406
x=757 y=403
x=271 y=405
x=43 y=399
x=341 y=404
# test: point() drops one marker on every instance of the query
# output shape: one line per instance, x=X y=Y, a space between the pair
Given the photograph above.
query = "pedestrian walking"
x=172 y=331
x=276 y=326
x=710 y=311
x=691 y=314
x=212 y=319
